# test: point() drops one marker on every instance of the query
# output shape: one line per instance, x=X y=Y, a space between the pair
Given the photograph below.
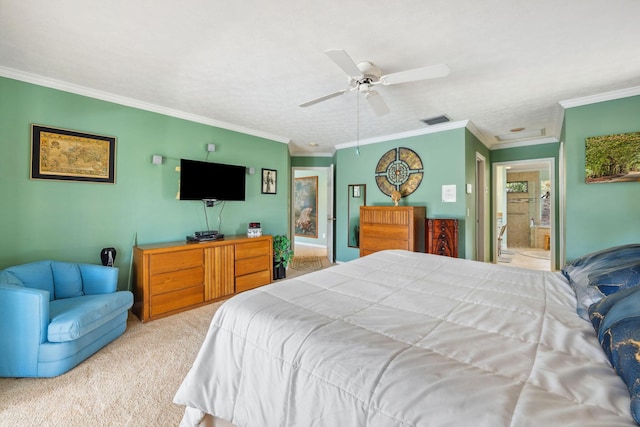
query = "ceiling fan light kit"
x=364 y=75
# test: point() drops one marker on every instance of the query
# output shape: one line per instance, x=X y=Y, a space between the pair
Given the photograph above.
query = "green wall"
x=443 y=158
x=599 y=215
x=311 y=161
x=72 y=221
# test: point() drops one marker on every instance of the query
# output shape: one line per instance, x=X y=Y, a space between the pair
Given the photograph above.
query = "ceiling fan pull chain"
x=357 y=123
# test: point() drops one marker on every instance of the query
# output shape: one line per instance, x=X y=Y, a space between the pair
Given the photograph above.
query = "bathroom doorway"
x=524 y=219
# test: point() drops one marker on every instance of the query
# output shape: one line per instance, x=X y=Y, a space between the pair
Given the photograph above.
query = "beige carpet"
x=130 y=382
x=308 y=263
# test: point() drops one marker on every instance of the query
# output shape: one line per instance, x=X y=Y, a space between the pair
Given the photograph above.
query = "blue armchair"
x=54 y=315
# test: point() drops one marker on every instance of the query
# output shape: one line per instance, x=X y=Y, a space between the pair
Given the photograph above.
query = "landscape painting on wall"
x=612 y=158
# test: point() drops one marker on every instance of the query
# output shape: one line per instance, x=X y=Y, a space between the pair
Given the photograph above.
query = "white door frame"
x=548 y=162
x=328 y=202
x=481 y=206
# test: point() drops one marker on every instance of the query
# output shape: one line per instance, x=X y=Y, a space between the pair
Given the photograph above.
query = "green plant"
x=282 y=252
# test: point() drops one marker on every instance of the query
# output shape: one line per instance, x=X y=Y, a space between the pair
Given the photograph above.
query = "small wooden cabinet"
x=177 y=276
x=391 y=227
x=442 y=236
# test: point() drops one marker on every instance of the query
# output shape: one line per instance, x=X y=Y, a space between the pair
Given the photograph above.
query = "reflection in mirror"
x=356 y=196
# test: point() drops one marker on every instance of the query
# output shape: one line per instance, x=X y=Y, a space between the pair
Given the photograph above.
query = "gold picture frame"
x=67 y=155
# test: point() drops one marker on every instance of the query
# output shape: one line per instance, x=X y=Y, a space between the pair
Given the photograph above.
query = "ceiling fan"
x=364 y=76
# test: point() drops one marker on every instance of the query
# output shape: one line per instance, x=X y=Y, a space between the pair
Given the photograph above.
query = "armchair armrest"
x=24 y=318
x=98 y=279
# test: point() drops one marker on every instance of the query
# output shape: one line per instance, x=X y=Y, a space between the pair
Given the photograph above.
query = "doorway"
x=524 y=214
x=481 y=205
x=320 y=242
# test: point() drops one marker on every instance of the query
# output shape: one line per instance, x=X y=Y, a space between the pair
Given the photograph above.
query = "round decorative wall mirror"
x=399 y=169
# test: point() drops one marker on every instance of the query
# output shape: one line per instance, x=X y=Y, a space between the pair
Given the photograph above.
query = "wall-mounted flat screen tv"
x=211 y=181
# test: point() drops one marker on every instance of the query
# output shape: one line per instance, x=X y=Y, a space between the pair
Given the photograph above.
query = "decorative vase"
x=279 y=271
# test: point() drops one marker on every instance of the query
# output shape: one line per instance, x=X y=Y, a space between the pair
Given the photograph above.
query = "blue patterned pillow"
x=616 y=319
x=621 y=342
x=599 y=310
x=602 y=273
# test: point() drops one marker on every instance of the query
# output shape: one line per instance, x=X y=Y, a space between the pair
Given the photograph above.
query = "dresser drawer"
x=252 y=249
x=385 y=232
x=178 y=260
x=374 y=244
x=176 y=300
x=253 y=280
x=173 y=281
x=252 y=265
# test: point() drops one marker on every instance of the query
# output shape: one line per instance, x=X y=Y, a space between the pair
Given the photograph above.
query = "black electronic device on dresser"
x=205 y=236
x=442 y=236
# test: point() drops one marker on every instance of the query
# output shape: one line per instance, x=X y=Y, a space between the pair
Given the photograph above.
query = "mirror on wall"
x=357 y=196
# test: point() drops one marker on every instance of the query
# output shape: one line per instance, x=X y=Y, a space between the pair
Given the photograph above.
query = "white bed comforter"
x=406 y=339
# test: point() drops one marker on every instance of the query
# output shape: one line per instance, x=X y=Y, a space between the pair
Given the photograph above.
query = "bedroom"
x=75 y=220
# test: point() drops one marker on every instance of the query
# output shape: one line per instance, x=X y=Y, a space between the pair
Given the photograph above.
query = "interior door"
x=331 y=215
x=480 y=206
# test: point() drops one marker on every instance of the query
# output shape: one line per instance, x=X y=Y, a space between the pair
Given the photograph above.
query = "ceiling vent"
x=436 y=120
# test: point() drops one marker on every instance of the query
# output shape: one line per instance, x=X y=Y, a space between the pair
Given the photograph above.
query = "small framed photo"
x=269 y=181
x=356 y=191
x=67 y=155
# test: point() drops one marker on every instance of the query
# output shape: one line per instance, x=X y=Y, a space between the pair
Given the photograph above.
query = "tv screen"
x=209 y=181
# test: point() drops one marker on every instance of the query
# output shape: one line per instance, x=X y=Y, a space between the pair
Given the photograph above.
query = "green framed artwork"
x=612 y=158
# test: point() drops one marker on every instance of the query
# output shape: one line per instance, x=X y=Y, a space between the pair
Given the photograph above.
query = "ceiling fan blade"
x=377 y=103
x=324 y=98
x=431 y=72
x=344 y=61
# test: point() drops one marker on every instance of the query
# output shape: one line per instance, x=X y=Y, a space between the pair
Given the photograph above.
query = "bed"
x=401 y=338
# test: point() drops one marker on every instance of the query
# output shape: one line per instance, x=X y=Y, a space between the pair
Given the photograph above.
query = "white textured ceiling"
x=249 y=64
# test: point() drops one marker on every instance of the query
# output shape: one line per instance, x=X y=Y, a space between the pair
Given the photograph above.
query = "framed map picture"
x=68 y=155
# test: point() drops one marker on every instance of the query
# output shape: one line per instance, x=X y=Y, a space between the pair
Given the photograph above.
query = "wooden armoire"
x=391 y=227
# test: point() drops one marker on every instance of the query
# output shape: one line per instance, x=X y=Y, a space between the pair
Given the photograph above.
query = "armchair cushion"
x=67 y=280
x=37 y=275
x=72 y=318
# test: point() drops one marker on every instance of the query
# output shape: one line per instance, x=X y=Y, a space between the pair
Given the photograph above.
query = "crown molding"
x=134 y=103
x=539 y=141
x=431 y=129
x=308 y=154
x=602 y=97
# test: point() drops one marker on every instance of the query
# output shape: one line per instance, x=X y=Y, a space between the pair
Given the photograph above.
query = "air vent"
x=436 y=120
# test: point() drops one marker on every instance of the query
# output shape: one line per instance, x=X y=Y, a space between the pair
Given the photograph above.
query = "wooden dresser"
x=174 y=277
x=391 y=227
x=442 y=236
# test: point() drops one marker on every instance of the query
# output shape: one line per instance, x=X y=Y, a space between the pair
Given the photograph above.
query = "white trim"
x=553 y=227
x=408 y=134
x=134 y=103
x=602 y=97
x=540 y=141
x=562 y=195
x=306 y=154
